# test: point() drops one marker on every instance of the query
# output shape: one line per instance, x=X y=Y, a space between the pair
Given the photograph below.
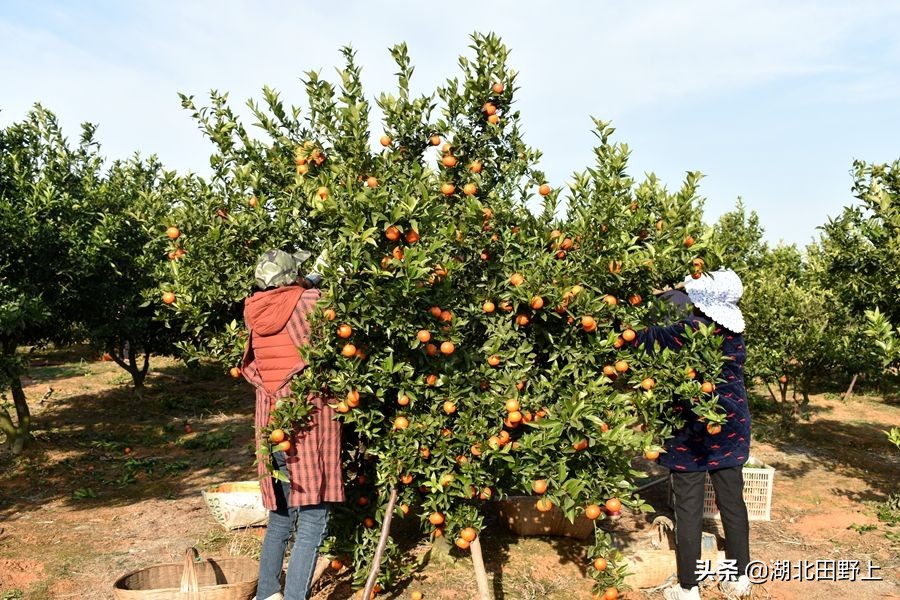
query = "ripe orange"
x=404 y=508
x=362 y=501
x=506 y=306
x=621 y=366
x=648 y=383
x=337 y=564
x=628 y=335
x=392 y=233
x=403 y=400
x=600 y=564
x=539 y=486
x=371 y=182
x=503 y=437
x=424 y=452
x=446 y=316
x=613 y=505
x=475 y=166
x=173 y=233
x=696 y=275
x=713 y=428
x=707 y=387
x=406 y=479
x=168 y=297
x=235 y=372
x=610 y=299
x=277 y=436
x=580 y=445
x=412 y=236
x=493 y=360
x=431 y=349
x=423 y=336
x=609 y=371
x=449 y=407
x=435 y=140
x=497 y=88
x=448 y=348
x=515 y=417
x=342 y=407
x=447 y=147
x=592 y=511
x=688 y=241
x=435 y=311
x=544 y=505
x=344 y=331
x=348 y=351
x=691 y=373
x=566 y=244
x=468 y=534
x=322 y=192
x=369 y=522
x=635 y=299
x=447 y=189
x=516 y=279
x=446 y=479
x=431 y=380
x=783 y=379
x=385 y=141
x=588 y=323
x=537 y=303
x=282 y=447
x=522 y=320
x=512 y=405
x=544 y=189
x=462 y=544
x=470 y=189
x=485 y=494
x=520 y=386
x=417 y=595
x=253 y=202
x=436 y=518
x=610 y=594
x=493 y=119
x=449 y=160
x=329 y=314
x=488 y=307
x=489 y=108
x=651 y=454
x=353 y=398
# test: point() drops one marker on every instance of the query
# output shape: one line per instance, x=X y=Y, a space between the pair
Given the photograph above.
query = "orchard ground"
x=112 y=484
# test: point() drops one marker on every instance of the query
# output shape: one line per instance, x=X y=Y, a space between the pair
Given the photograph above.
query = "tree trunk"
x=17 y=433
x=849 y=391
x=128 y=360
x=484 y=592
x=382 y=544
x=771 y=393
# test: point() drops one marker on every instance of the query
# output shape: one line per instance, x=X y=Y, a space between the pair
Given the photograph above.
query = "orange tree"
x=463 y=338
x=46 y=207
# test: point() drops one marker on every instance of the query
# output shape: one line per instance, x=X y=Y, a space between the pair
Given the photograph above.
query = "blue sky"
x=771 y=100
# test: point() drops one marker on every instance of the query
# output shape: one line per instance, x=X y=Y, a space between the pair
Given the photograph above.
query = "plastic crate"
x=758 y=481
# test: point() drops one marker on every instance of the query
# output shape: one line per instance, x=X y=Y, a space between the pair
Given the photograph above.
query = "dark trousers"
x=688 y=491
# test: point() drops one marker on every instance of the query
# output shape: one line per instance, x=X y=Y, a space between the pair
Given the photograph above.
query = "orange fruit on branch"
x=544 y=505
x=385 y=141
x=447 y=189
x=348 y=351
x=497 y=88
x=468 y=533
x=539 y=486
x=344 y=331
x=588 y=323
x=516 y=279
x=168 y=298
x=613 y=505
x=448 y=348
x=592 y=511
x=544 y=189
x=173 y=233
x=423 y=336
x=600 y=564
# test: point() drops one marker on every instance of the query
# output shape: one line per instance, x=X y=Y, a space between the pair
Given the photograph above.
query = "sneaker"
x=676 y=592
x=734 y=590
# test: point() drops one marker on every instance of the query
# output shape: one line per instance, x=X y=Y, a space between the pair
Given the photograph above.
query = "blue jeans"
x=308 y=524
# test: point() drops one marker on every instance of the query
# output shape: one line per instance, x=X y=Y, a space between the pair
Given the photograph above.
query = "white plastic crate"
x=758 y=481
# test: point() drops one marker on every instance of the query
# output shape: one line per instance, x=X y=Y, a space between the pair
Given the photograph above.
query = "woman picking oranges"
x=698 y=449
x=309 y=458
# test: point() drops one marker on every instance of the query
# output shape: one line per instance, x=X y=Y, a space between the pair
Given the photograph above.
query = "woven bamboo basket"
x=524 y=519
x=210 y=579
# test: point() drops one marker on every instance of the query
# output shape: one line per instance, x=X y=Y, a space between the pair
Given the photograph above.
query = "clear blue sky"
x=771 y=100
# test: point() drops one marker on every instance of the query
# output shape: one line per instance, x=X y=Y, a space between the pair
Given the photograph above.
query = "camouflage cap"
x=277 y=268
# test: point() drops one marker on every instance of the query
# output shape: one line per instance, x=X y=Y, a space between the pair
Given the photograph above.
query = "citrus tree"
x=122 y=259
x=46 y=195
x=857 y=261
x=474 y=349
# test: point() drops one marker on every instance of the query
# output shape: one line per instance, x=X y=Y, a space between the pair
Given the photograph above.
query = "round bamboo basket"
x=210 y=579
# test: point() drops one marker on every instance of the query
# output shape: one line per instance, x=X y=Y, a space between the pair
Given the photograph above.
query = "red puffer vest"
x=267 y=314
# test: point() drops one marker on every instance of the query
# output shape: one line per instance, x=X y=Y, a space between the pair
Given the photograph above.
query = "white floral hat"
x=716 y=294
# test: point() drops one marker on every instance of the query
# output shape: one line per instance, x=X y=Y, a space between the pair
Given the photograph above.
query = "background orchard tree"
x=126 y=248
x=46 y=207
